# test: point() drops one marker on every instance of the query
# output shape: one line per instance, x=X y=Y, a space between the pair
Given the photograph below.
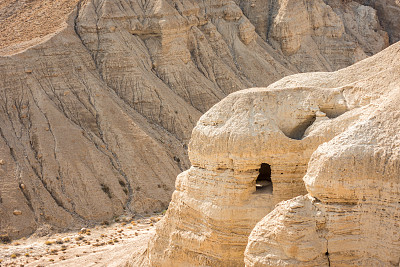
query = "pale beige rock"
x=216 y=203
x=349 y=217
x=389 y=16
x=318 y=35
x=17 y=212
x=99 y=98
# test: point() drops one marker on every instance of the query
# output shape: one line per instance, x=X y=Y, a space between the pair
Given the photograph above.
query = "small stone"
x=17 y=212
x=2 y=162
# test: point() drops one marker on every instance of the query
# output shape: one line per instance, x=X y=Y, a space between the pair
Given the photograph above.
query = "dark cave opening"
x=264 y=182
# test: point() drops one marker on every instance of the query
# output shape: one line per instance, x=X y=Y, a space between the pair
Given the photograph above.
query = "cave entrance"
x=264 y=182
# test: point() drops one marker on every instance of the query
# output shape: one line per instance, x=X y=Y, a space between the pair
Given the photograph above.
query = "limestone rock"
x=217 y=201
x=389 y=16
x=17 y=212
x=349 y=216
x=333 y=34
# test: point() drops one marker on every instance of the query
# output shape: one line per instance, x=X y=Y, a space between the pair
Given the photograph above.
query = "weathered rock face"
x=389 y=16
x=98 y=98
x=333 y=34
x=217 y=201
x=350 y=216
x=80 y=153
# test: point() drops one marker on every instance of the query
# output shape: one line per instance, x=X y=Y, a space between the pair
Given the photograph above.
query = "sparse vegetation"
x=5 y=239
x=49 y=243
x=56 y=247
x=78 y=238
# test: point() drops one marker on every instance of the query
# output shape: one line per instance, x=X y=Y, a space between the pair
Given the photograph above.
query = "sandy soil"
x=107 y=245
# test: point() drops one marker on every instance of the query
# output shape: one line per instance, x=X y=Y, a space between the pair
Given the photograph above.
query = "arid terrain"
x=217 y=110
x=110 y=244
x=99 y=98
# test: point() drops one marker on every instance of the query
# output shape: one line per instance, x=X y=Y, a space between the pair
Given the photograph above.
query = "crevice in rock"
x=264 y=182
x=40 y=176
x=297 y=132
x=327 y=256
x=332 y=113
x=271 y=7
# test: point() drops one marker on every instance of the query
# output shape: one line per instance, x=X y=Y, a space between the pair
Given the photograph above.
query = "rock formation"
x=98 y=98
x=346 y=120
x=350 y=215
x=388 y=14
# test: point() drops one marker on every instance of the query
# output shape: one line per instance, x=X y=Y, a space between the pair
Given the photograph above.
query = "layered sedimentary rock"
x=389 y=16
x=350 y=215
x=98 y=98
x=318 y=35
x=218 y=201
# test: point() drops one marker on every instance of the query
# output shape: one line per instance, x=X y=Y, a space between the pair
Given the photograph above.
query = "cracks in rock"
x=327 y=256
x=76 y=120
x=41 y=175
x=104 y=147
x=18 y=106
x=271 y=7
x=144 y=5
x=94 y=57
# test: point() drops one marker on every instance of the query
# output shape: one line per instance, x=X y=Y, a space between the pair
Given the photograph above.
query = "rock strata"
x=218 y=201
x=350 y=215
x=98 y=98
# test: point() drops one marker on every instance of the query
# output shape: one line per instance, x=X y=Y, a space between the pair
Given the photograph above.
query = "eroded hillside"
x=98 y=98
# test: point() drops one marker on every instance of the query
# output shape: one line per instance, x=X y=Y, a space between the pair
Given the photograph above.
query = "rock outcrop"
x=98 y=98
x=318 y=35
x=389 y=16
x=350 y=215
x=227 y=190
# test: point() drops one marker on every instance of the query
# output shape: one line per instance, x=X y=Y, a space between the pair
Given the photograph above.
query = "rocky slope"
x=98 y=98
x=349 y=118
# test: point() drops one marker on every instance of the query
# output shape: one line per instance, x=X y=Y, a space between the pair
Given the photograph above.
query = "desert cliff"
x=99 y=98
x=326 y=141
